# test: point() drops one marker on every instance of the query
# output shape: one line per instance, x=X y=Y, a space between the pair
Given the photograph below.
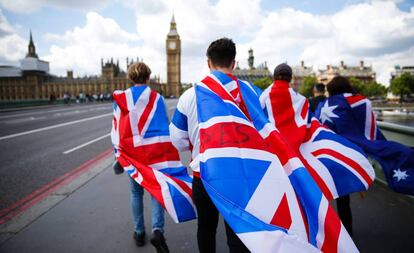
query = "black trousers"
x=208 y=217
x=344 y=212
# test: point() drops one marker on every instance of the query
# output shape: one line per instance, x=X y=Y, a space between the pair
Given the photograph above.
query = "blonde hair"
x=139 y=72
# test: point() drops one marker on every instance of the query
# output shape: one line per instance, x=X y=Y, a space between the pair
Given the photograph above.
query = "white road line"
x=91 y=108
x=85 y=144
x=53 y=126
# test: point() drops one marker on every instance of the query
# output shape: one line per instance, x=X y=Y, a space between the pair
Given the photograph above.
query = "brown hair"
x=139 y=72
x=339 y=85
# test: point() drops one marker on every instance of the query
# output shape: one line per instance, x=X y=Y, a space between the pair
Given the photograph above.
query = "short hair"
x=282 y=72
x=339 y=85
x=139 y=72
x=319 y=87
x=222 y=52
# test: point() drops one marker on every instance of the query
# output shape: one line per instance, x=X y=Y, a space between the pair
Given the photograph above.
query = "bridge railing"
x=398 y=133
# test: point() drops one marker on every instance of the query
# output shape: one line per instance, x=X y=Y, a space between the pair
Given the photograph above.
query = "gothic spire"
x=173 y=27
x=31 y=48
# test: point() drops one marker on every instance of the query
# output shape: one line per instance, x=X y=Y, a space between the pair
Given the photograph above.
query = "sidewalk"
x=96 y=218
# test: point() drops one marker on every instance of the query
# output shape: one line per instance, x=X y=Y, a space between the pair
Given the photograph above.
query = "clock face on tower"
x=171 y=45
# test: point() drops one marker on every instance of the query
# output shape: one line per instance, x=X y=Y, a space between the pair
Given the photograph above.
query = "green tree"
x=374 y=89
x=307 y=86
x=263 y=83
x=370 y=89
x=358 y=85
x=402 y=85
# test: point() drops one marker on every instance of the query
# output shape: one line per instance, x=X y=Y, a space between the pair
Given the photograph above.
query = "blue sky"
x=277 y=30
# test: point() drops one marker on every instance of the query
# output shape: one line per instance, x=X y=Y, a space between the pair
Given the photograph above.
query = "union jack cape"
x=336 y=164
x=142 y=146
x=351 y=116
x=253 y=177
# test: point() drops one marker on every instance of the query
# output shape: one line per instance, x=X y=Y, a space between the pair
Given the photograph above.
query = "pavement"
x=95 y=216
x=87 y=210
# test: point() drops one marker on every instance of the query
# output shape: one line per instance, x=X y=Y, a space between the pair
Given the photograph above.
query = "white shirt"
x=184 y=131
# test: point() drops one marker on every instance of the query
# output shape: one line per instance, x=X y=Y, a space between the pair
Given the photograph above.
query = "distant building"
x=173 y=50
x=398 y=71
x=299 y=73
x=32 y=79
x=363 y=73
x=252 y=73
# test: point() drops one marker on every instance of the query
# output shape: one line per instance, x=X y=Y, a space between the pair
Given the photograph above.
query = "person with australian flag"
x=350 y=115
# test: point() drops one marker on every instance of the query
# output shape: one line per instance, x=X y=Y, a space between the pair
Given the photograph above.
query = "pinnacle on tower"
x=31 y=52
x=173 y=27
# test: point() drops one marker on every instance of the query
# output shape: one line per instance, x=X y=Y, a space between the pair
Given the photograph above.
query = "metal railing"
x=398 y=133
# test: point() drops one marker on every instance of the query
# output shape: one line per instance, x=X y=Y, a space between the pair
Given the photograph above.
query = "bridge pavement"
x=96 y=218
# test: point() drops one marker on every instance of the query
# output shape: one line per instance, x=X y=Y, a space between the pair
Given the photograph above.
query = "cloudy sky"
x=76 y=34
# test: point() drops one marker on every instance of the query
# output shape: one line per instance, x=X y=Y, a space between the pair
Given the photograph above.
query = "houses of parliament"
x=32 y=80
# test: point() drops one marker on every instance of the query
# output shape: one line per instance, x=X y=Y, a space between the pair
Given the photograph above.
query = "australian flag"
x=253 y=177
x=351 y=116
x=338 y=166
x=142 y=145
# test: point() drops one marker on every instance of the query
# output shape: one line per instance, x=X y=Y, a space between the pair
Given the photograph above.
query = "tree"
x=307 y=86
x=358 y=85
x=402 y=85
x=374 y=89
x=370 y=89
x=263 y=83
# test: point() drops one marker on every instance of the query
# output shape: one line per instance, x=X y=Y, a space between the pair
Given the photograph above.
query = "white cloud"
x=28 y=6
x=377 y=32
x=12 y=46
x=81 y=48
x=374 y=32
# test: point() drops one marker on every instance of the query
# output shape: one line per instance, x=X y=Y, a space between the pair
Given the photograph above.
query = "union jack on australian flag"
x=142 y=146
x=351 y=116
x=336 y=164
x=257 y=183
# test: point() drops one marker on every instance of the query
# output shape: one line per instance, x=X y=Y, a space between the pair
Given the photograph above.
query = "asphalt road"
x=39 y=145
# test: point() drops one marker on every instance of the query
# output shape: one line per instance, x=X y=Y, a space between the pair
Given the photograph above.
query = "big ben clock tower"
x=173 y=47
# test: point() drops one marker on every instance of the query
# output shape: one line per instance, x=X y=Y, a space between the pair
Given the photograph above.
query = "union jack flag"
x=142 y=146
x=336 y=164
x=257 y=183
x=351 y=116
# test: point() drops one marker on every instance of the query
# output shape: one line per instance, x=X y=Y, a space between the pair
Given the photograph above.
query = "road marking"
x=54 y=126
x=85 y=144
x=92 y=108
x=20 y=206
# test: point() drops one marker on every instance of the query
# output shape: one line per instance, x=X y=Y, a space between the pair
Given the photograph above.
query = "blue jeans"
x=157 y=212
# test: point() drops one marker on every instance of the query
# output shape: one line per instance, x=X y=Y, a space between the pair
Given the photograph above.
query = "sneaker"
x=158 y=241
x=139 y=239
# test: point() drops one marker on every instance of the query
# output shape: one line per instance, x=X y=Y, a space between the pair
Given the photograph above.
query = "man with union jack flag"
x=143 y=148
x=249 y=172
x=337 y=165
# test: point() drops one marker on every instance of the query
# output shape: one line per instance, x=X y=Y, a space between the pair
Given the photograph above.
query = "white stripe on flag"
x=224 y=119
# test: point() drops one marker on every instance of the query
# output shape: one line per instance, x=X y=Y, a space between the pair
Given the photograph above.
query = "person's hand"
x=118 y=169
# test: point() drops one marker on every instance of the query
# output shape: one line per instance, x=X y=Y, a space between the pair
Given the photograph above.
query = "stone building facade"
x=399 y=70
x=362 y=72
x=252 y=73
x=32 y=80
x=299 y=73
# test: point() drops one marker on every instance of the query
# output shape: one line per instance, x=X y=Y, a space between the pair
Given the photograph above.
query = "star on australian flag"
x=400 y=175
x=327 y=113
